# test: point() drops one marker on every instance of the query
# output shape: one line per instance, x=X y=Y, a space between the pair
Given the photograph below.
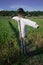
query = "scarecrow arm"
x=31 y=23
x=15 y=18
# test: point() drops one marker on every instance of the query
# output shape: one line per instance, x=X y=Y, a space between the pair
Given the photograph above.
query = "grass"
x=9 y=34
x=6 y=32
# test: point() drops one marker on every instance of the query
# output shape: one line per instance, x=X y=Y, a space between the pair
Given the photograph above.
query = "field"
x=10 y=46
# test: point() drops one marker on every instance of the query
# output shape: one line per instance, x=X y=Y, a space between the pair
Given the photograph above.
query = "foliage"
x=27 y=13
x=9 y=42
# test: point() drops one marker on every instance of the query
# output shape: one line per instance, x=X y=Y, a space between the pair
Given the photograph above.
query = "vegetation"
x=13 y=13
x=10 y=44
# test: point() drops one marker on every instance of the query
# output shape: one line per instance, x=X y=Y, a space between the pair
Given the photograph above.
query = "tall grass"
x=10 y=46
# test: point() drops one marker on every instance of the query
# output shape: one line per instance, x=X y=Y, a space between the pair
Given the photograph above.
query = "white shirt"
x=23 y=23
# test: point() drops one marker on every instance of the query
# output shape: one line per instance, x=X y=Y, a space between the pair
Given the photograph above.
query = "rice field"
x=9 y=34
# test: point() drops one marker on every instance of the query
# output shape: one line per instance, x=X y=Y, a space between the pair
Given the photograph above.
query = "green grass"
x=6 y=32
x=9 y=31
x=40 y=23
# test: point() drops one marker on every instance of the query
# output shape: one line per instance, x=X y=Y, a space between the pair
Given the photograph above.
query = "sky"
x=27 y=5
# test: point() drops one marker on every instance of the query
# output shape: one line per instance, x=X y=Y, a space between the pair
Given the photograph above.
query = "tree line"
x=26 y=13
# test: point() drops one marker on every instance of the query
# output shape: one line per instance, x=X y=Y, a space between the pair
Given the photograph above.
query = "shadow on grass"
x=35 y=52
x=16 y=33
